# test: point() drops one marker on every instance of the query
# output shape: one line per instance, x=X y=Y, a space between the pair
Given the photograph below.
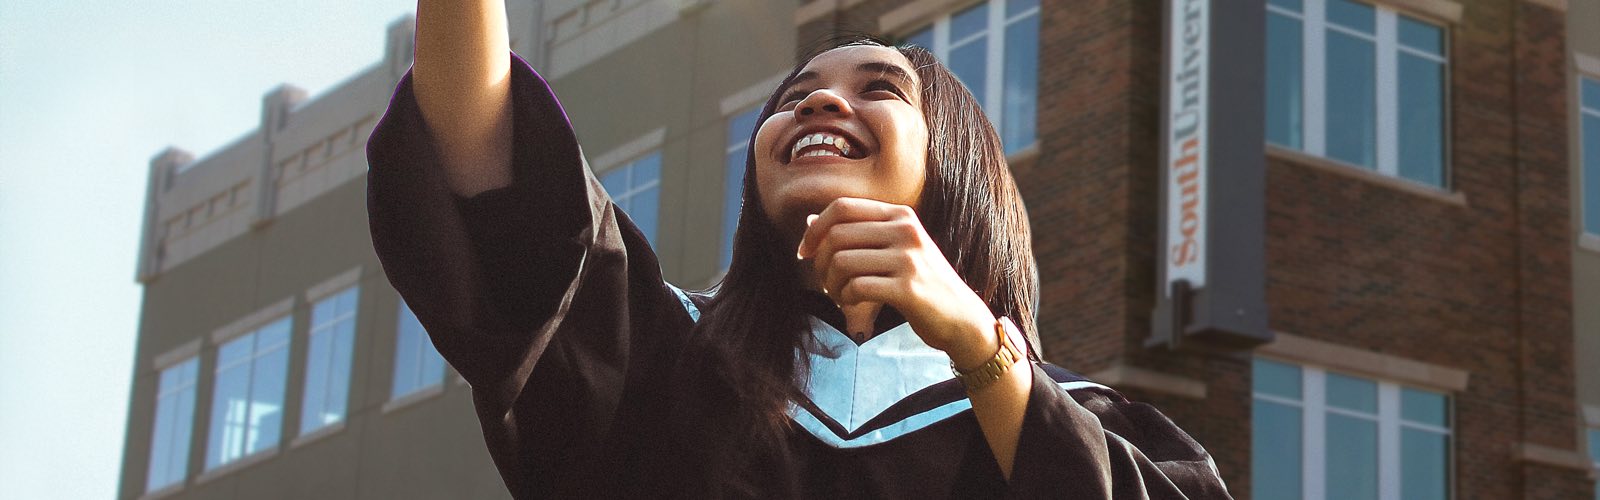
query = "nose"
x=825 y=101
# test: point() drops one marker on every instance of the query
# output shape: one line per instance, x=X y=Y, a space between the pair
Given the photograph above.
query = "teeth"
x=821 y=138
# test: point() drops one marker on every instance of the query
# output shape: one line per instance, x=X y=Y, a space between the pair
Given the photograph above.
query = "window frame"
x=1314 y=409
x=420 y=390
x=624 y=199
x=180 y=454
x=329 y=326
x=1387 y=48
x=732 y=195
x=1584 y=169
x=247 y=456
x=994 y=32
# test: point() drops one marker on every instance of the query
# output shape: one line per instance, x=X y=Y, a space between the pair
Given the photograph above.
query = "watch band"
x=992 y=370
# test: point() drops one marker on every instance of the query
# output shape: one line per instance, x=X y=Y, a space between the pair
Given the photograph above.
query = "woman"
x=882 y=245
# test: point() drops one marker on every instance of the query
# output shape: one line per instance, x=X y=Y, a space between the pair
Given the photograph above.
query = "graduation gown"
x=550 y=303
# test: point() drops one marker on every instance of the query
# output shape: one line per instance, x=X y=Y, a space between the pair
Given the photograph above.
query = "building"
x=1583 y=42
x=1363 y=277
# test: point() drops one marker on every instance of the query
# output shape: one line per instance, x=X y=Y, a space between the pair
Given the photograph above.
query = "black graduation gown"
x=551 y=304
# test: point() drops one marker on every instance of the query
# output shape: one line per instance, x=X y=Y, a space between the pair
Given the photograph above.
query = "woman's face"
x=850 y=124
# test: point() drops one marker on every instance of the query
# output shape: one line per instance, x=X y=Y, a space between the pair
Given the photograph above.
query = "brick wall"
x=1475 y=277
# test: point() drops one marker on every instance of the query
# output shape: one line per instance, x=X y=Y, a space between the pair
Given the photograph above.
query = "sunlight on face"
x=849 y=125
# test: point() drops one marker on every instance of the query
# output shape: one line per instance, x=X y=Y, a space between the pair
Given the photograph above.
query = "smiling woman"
x=874 y=335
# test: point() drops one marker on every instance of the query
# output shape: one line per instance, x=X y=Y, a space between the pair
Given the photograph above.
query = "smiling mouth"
x=825 y=144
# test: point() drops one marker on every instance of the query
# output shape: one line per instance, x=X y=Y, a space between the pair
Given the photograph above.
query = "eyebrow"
x=881 y=68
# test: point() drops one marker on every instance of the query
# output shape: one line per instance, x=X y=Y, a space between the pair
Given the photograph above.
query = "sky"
x=90 y=90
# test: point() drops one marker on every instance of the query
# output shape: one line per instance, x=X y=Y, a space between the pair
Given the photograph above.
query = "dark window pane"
x=922 y=39
x=1591 y=93
x=1277 y=379
x=1352 y=393
x=1591 y=173
x=1352 y=447
x=1424 y=407
x=1293 y=5
x=1021 y=83
x=1424 y=465
x=1421 y=120
x=969 y=22
x=1284 y=81
x=970 y=64
x=739 y=129
x=1275 y=451
x=1352 y=102
x=645 y=208
x=1421 y=36
x=1354 y=15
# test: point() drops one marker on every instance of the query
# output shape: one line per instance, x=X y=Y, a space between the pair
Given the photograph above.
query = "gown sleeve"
x=542 y=295
x=1092 y=443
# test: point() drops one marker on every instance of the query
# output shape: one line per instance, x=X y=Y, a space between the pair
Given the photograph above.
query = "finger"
x=844 y=210
x=881 y=289
x=854 y=263
x=860 y=317
x=859 y=235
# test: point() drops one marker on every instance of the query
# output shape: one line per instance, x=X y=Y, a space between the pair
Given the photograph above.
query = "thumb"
x=859 y=318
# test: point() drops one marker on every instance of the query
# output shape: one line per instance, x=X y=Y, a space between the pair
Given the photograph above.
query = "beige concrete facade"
x=1583 y=43
x=264 y=227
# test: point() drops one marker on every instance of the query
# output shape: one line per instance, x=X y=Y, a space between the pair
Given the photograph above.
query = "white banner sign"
x=1187 y=110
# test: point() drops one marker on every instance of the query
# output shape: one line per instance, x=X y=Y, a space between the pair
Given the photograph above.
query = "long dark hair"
x=740 y=362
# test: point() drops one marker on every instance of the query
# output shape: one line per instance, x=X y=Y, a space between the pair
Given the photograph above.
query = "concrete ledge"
x=164 y=492
x=914 y=14
x=629 y=150
x=1362 y=174
x=1559 y=5
x=755 y=94
x=335 y=284
x=1363 y=362
x=415 y=397
x=1591 y=415
x=1589 y=242
x=1586 y=64
x=239 y=463
x=814 y=11
x=1554 y=457
x=324 y=431
x=177 y=354
x=1442 y=10
x=1121 y=376
x=255 y=319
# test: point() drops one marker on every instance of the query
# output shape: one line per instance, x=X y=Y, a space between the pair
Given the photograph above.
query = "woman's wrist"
x=977 y=342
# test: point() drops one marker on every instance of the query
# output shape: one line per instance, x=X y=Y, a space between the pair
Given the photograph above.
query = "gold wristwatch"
x=997 y=366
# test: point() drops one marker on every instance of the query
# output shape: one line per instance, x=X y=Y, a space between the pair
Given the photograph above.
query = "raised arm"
x=462 y=81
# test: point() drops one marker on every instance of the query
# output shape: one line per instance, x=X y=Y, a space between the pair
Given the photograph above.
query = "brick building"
x=1394 y=254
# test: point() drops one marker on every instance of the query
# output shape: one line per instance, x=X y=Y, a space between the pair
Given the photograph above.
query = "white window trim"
x=189 y=352
x=326 y=328
x=994 y=31
x=416 y=392
x=256 y=353
x=1587 y=238
x=1313 y=432
x=1313 y=30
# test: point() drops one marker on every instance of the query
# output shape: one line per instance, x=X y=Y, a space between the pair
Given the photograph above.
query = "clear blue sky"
x=89 y=91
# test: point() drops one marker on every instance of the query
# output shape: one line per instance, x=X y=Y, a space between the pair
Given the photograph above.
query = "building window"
x=993 y=47
x=417 y=365
x=169 y=439
x=1321 y=435
x=739 y=129
x=1590 y=147
x=331 y=344
x=1594 y=456
x=1359 y=84
x=636 y=189
x=247 y=402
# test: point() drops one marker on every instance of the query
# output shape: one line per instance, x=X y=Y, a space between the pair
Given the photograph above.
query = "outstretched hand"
x=867 y=253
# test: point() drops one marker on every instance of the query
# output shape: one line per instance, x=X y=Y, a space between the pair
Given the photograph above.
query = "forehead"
x=860 y=58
